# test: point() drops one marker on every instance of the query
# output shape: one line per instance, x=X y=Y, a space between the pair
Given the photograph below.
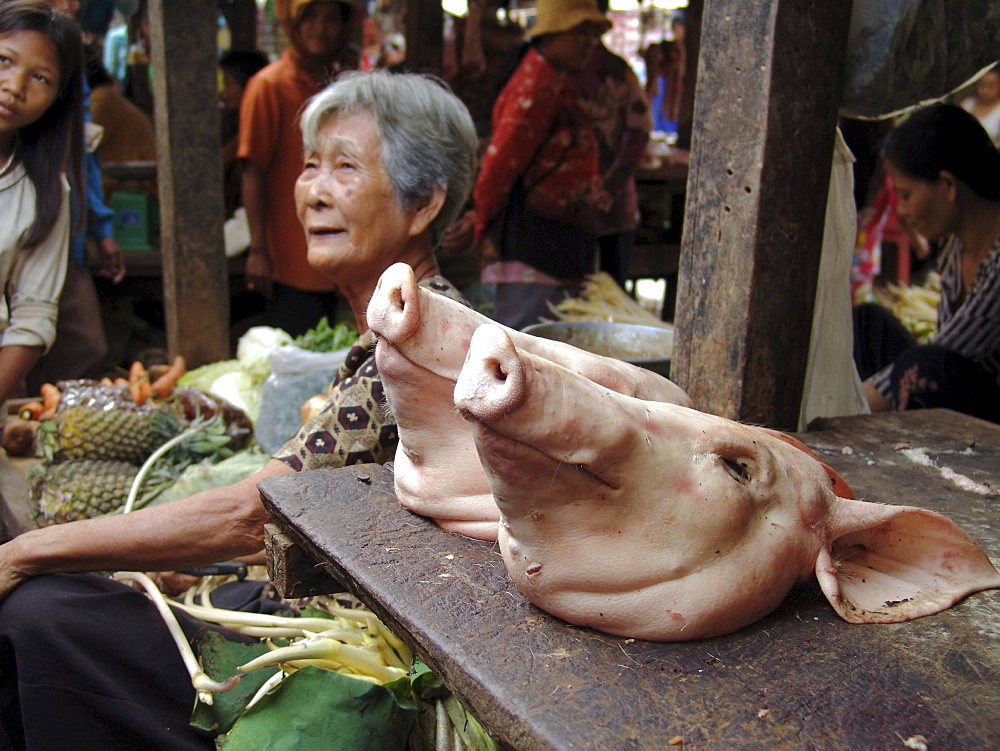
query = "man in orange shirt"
x=270 y=146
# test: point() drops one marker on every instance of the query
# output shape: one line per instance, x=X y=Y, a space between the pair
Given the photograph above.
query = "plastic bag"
x=296 y=375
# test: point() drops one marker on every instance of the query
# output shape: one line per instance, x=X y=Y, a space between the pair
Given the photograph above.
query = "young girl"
x=41 y=136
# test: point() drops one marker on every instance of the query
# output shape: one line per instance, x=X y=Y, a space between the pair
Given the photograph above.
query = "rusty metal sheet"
x=800 y=678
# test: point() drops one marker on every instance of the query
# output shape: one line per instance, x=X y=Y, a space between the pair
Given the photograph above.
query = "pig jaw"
x=434 y=449
x=699 y=605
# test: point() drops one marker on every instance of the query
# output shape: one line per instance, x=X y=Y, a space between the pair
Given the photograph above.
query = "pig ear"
x=887 y=564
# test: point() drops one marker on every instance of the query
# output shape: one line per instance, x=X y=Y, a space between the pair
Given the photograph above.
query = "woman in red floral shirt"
x=539 y=190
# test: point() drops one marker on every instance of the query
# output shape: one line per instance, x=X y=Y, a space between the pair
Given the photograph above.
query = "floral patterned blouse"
x=542 y=137
x=353 y=427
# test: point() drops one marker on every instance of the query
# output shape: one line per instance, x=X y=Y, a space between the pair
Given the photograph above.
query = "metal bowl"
x=649 y=347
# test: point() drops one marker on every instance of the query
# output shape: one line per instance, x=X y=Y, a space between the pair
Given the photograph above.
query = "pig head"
x=654 y=521
x=423 y=338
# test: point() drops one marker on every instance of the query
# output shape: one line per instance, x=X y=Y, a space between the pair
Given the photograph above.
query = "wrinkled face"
x=637 y=518
x=346 y=203
x=321 y=29
x=928 y=207
x=29 y=78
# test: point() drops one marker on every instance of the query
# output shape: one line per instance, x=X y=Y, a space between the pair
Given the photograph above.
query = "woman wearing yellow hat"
x=539 y=190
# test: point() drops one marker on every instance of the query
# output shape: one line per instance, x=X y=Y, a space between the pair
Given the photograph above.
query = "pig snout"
x=492 y=381
x=394 y=310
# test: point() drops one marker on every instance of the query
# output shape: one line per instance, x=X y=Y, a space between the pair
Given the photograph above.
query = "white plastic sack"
x=832 y=387
x=236 y=233
x=296 y=376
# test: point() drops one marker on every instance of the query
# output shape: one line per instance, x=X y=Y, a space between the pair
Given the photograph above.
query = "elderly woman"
x=389 y=163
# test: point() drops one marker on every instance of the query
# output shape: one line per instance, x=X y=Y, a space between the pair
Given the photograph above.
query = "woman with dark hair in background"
x=946 y=173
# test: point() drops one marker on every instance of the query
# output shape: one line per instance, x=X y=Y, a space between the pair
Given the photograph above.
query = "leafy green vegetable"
x=220 y=658
x=254 y=346
x=327 y=338
x=315 y=709
x=205 y=474
x=202 y=378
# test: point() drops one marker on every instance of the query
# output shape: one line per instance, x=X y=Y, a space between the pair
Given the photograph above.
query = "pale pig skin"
x=423 y=340
x=654 y=521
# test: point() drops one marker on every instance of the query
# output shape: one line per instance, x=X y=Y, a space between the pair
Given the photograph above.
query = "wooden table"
x=800 y=678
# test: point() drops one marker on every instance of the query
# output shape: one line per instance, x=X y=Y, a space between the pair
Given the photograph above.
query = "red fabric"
x=541 y=135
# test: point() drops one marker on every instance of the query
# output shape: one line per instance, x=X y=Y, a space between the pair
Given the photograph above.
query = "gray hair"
x=428 y=138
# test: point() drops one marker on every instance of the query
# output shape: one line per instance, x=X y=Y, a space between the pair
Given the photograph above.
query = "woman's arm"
x=258 y=268
x=15 y=362
x=522 y=121
x=208 y=527
x=876 y=402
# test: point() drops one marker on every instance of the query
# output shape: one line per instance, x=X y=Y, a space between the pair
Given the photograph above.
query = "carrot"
x=164 y=385
x=138 y=382
x=120 y=382
x=31 y=410
x=50 y=400
x=136 y=372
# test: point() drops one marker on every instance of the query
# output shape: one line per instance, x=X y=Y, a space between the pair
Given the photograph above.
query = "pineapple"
x=82 y=432
x=80 y=489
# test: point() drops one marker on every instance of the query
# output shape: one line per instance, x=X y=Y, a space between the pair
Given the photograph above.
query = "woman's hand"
x=112 y=260
x=876 y=402
x=172 y=583
x=258 y=270
x=459 y=238
x=11 y=573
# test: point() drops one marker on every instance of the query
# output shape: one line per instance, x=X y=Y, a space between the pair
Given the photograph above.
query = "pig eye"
x=738 y=470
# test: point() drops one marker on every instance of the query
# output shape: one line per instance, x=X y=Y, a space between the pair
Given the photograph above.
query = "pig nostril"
x=396 y=298
x=498 y=372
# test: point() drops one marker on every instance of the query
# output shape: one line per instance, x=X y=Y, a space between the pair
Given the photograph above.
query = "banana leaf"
x=220 y=658
x=320 y=710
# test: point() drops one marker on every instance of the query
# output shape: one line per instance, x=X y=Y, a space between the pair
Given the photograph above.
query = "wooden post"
x=189 y=171
x=424 y=36
x=769 y=77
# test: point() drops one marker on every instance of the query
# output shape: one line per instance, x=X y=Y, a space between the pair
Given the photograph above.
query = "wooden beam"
x=769 y=77
x=424 y=36
x=189 y=171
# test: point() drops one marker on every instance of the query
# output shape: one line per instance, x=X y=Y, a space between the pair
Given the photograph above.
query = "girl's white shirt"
x=31 y=281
